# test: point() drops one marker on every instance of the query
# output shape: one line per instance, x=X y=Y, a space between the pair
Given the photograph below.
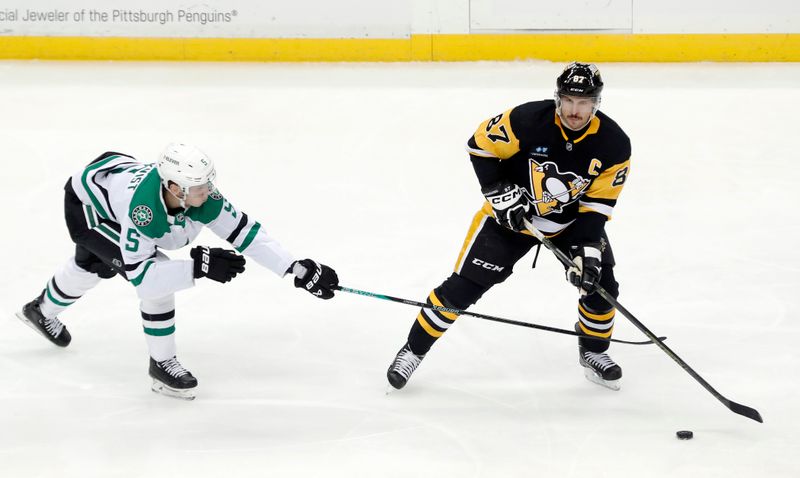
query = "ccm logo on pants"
x=487 y=265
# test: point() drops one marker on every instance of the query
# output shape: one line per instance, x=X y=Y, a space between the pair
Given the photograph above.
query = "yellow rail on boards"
x=437 y=47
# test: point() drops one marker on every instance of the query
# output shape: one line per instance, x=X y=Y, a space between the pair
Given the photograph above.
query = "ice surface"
x=362 y=166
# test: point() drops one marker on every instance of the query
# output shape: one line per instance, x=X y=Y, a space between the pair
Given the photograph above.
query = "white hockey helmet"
x=186 y=166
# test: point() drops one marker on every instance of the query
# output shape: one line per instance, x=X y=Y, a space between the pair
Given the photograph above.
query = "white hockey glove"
x=318 y=279
x=585 y=275
x=510 y=203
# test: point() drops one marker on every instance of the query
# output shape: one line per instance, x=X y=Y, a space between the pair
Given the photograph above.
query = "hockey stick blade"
x=491 y=318
x=745 y=411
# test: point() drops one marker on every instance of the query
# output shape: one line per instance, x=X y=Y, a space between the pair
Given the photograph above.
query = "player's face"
x=198 y=195
x=576 y=111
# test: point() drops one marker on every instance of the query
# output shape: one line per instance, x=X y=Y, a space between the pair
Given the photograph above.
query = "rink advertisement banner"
x=397 y=30
x=209 y=19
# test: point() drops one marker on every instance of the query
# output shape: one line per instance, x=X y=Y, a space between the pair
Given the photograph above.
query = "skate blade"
x=27 y=322
x=182 y=394
x=593 y=377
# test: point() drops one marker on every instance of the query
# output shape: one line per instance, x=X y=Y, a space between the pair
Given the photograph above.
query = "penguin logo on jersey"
x=142 y=215
x=552 y=189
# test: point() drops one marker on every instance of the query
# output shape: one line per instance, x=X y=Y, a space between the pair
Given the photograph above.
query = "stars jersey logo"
x=553 y=189
x=142 y=215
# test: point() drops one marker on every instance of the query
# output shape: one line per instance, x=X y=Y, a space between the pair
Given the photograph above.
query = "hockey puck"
x=685 y=435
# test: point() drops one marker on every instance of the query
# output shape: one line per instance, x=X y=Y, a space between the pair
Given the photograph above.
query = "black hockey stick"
x=743 y=410
x=487 y=317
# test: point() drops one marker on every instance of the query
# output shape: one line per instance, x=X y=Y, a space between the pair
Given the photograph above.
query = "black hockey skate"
x=51 y=329
x=172 y=380
x=403 y=366
x=599 y=368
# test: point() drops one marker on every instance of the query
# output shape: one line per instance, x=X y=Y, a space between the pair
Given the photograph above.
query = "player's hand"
x=585 y=275
x=217 y=264
x=318 y=279
x=510 y=203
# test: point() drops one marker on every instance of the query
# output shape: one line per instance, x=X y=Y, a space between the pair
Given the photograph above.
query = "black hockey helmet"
x=580 y=79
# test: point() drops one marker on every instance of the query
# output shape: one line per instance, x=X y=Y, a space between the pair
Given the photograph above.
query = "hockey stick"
x=487 y=317
x=743 y=410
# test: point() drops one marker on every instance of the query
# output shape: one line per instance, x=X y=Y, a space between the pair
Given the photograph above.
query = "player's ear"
x=175 y=189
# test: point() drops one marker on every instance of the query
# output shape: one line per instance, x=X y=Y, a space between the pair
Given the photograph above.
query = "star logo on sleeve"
x=142 y=215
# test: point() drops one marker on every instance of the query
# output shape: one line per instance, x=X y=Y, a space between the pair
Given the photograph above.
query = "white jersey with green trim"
x=121 y=189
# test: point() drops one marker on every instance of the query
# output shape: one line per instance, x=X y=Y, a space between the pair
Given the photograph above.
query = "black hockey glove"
x=216 y=263
x=587 y=271
x=316 y=278
x=510 y=203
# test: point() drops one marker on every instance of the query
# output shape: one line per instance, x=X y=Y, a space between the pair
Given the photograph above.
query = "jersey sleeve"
x=494 y=141
x=596 y=206
x=601 y=197
x=494 y=138
x=247 y=236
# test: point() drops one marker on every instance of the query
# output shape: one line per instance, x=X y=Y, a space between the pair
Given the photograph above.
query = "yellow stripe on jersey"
x=599 y=317
x=435 y=301
x=594 y=127
x=425 y=325
x=609 y=184
x=604 y=335
x=496 y=137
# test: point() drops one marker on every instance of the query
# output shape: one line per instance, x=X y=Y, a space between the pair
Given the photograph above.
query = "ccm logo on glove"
x=510 y=204
x=502 y=199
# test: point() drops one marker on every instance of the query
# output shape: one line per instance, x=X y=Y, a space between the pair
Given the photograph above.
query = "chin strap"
x=180 y=200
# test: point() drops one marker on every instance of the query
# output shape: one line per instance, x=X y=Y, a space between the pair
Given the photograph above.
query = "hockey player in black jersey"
x=560 y=164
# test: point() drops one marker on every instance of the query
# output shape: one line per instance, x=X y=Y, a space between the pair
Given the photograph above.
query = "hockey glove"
x=318 y=279
x=216 y=263
x=510 y=203
x=585 y=275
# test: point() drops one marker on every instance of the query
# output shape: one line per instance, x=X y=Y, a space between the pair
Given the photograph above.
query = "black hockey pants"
x=488 y=257
x=96 y=239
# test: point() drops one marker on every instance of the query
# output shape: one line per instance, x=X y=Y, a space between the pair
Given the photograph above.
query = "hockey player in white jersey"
x=121 y=213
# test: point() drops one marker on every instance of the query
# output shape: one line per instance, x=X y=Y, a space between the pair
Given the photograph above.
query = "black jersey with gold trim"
x=570 y=176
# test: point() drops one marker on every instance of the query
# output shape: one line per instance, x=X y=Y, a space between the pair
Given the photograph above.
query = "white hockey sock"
x=68 y=285
x=158 y=319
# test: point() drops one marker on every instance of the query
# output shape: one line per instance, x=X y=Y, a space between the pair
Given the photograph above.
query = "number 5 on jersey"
x=133 y=241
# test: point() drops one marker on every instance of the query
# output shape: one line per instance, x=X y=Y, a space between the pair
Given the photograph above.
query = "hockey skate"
x=403 y=366
x=600 y=368
x=172 y=380
x=51 y=329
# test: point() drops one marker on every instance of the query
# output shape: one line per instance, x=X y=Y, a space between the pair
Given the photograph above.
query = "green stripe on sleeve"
x=108 y=232
x=250 y=236
x=85 y=183
x=90 y=216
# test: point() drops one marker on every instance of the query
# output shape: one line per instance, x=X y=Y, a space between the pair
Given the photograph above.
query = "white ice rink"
x=362 y=166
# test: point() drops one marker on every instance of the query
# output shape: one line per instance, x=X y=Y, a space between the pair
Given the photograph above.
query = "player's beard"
x=579 y=121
